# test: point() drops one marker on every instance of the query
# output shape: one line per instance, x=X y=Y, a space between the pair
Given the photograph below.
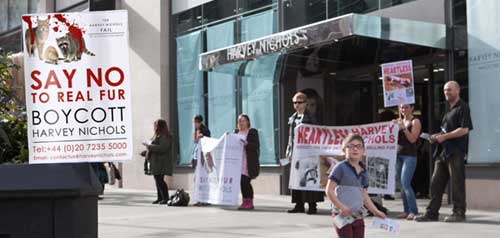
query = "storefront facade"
x=253 y=60
x=445 y=39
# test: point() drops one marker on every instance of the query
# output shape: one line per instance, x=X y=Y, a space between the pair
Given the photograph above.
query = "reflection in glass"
x=16 y=10
x=218 y=9
x=299 y=13
x=189 y=90
x=188 y=19
x=221 y=86
x=248 y=5
x=258 y=86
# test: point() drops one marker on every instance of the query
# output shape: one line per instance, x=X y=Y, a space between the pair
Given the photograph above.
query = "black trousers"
x=452 y=167
x=246 y=187
x=300 y=197
x=161 y=188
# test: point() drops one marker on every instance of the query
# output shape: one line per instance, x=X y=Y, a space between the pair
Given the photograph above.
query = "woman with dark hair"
x=301 y=115
x=200 y=130
x=250 y=163
x=409 y=132
x=159 y=156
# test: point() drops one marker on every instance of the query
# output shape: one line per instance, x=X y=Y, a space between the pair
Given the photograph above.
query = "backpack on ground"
x=179 y=199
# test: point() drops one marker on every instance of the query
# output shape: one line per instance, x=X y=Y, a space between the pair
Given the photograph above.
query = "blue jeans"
x=406 y=166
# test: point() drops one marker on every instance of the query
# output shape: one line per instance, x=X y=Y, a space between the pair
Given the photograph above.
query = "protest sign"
x=386 y=224
x=398 y=83
x=318 y=148
x=218 y=170
x=78 y=97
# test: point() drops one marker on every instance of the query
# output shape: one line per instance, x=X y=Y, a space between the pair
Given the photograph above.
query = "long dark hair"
x=161 y=128
x=199 y=118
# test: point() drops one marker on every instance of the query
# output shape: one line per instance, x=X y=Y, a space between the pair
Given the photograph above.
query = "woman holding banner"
x=301 y=115
x=159 y=156
x=200 y=131
x=250 y=163
x=409 y=132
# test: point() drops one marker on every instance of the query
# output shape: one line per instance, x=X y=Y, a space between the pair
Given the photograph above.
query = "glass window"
x=356 y=6
x=459 y=12
x=221 y=86
x=483 y=84
x=4 y=18
x=188 y=19
x=16 y=9
x=63 y=4
x=218 y=9
x=248 y=5
x=299 y=13
x=189 y=91
x=259 y=95
x=390 y=3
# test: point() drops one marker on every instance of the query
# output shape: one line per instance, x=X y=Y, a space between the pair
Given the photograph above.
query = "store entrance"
x=345 y=79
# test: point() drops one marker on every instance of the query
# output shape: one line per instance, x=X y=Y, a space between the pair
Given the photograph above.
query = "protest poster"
x=78 y=97
x=317 y=149
x=218 y=170
x=386 y=224
x=397 y=82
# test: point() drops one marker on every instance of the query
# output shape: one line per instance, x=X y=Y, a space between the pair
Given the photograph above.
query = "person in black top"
x=301 y=115
x=455 y=126
x=200 y=131
x=409 y=132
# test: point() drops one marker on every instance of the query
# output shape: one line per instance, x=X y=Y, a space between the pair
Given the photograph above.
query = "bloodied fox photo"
x=55 y=39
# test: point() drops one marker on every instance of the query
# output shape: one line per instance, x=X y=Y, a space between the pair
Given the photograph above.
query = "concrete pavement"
x=129 y=213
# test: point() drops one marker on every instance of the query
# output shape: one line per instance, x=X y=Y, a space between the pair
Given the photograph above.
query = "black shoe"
x=426 y=218
x=388 y=197
x=455 y=218
x=297 y=210
x=163 y=202
x=312 y=210
x=156 y=201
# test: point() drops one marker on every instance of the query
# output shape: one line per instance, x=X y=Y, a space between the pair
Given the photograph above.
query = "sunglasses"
x=355 y=146
x=298 y=102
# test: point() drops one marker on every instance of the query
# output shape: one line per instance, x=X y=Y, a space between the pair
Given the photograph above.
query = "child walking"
x=347 y=189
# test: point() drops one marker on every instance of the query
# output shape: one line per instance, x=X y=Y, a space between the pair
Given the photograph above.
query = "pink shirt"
x=244 y=166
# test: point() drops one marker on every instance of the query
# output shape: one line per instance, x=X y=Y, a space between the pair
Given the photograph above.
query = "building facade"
x=342 y=72
x=445 y=39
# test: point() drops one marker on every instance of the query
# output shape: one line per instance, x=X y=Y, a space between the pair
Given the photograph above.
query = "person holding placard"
x=409 y=132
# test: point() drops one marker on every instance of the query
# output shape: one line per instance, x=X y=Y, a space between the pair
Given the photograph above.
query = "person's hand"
x=437 y=138
x=345 y=211
x=440 y=138
x=380 y=214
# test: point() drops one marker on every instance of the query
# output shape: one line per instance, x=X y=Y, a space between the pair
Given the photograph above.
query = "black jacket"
x=253 y=152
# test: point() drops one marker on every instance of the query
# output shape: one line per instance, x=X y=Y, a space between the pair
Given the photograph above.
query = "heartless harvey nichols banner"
x=317 y=149
x=77 y=87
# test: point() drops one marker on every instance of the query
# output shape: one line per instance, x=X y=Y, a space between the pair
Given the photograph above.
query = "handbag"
x=116 y=171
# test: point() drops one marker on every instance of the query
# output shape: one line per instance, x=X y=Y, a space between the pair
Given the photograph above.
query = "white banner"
x=398 y=83
x=318 y=148
x=218 y=170
x=78 y=95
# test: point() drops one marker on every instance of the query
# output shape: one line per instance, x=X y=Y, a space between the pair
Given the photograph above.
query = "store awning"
x=327 y=31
